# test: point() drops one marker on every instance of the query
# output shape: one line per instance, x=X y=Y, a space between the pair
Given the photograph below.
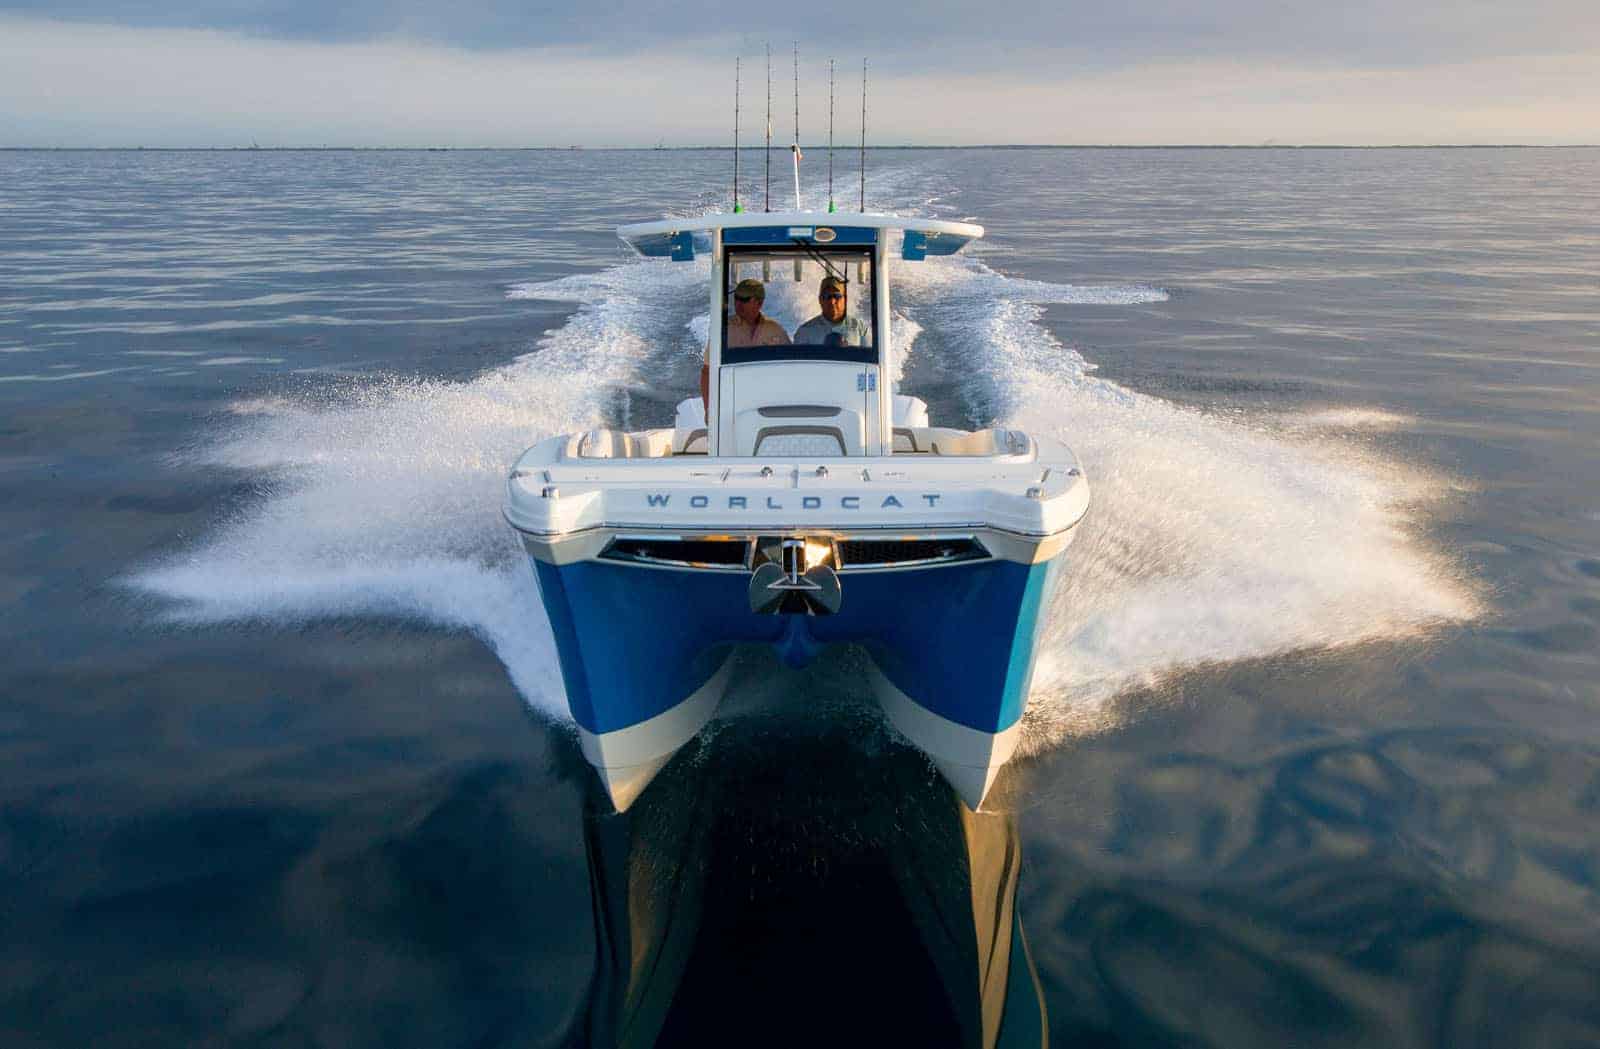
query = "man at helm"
x=748 y=326
x=832 y=327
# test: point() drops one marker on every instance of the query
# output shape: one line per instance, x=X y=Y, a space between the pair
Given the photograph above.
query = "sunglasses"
x=746 y=298
x=831 y=295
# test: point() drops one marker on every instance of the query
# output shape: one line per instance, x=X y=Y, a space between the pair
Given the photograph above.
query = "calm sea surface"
x=1314 y=750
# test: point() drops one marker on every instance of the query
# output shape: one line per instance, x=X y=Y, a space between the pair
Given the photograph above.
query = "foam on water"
x=62 y=376
x=384 y=498
x=1208 y=539
x=1350 y=419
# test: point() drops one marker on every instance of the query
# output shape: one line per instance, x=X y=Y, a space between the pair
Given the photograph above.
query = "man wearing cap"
x=832 y=327
x=748 y=327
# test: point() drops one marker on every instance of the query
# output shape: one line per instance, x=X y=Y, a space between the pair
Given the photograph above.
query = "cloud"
x=65 y=83
x=986 y=37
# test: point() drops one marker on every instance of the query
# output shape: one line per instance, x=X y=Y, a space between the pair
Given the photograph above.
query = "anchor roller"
x=794 y=578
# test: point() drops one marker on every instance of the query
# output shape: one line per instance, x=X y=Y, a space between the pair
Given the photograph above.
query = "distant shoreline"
x=749 y=149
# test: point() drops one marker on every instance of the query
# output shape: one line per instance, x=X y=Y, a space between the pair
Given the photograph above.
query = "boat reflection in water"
x=801 y=881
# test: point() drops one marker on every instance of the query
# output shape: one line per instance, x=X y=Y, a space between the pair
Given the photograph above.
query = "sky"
x=496 y=73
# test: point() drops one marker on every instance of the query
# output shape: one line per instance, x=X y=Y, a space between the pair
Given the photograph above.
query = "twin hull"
x=943 y=571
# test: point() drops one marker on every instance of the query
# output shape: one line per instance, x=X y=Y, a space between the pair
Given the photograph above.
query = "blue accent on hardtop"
x=843 y=236
x=919 y=245
x=635 y=641
x=680 y=246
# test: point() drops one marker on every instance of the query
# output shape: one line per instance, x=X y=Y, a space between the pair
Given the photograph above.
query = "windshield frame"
x=849 y=255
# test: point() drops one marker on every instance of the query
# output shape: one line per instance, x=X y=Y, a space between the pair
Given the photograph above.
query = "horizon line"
x=758 y=148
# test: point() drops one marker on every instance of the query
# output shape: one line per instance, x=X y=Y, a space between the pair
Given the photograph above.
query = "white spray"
x=1208 y=540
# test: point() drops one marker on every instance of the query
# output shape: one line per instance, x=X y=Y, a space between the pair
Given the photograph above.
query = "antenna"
x=769 y=126
x=795 y=148
x=863 y=136
x=830 y=136
x=736 y=207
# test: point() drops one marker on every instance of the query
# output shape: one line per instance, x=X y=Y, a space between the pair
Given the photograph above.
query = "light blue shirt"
x=852 y=331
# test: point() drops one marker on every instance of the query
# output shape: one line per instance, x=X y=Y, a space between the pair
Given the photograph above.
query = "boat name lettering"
x=807 y=502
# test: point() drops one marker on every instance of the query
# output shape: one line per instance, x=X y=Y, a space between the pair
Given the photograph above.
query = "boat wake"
x=383 y=497
x=1208 y=540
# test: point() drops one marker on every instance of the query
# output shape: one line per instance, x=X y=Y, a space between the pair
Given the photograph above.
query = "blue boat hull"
x=645 y=653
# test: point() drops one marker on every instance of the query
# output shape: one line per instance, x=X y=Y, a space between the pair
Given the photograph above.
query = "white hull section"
x=566 y=500
x=969 y=759
x=628 y=759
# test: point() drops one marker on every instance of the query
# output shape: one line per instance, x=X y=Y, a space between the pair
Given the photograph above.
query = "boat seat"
x=689 y=435
x=691 y=442
x=614 y=444
x=985 y=443
x=691 y=414
x=910 y=411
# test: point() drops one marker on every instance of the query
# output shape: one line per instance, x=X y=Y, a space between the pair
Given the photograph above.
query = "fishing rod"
x=863 y=136
x=795 y=147
x=769 y=127
x=736 y=207
x=830 y=137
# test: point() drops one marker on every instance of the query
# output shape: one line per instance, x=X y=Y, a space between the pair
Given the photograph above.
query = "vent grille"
x=800 y=441
x=722 y=554
x=890 y=553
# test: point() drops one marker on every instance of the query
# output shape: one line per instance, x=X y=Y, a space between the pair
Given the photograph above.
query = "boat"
x=801 y=503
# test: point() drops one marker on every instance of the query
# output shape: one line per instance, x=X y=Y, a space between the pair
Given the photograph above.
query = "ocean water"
x=1313 y=754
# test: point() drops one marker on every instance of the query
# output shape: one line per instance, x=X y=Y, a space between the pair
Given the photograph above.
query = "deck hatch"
x=904 y=553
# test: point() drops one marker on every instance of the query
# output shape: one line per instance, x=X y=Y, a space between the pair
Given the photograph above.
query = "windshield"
x=797 y=302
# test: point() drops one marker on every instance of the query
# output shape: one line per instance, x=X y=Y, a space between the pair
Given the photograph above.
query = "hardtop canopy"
x=683 y=238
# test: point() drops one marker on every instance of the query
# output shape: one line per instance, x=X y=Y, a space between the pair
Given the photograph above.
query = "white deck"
x=1035 y=495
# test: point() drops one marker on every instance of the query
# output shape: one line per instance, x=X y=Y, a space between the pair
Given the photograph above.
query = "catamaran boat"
x=803 y=504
